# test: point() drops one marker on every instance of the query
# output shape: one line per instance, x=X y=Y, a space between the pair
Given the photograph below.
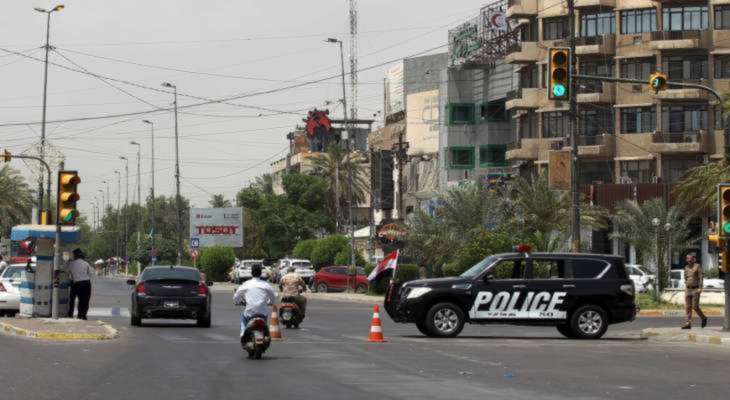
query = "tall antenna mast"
x=353 y=59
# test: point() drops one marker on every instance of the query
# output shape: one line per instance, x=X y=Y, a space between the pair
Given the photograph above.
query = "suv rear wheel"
x=444 y=320
x=589 y=322
x=565 y=330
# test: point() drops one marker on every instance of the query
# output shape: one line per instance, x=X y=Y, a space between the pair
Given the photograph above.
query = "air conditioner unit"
x=636 y=88
x=655 y=179
x=625 y=180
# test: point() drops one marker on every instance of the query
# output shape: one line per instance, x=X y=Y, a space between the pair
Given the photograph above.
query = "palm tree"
x=219 y=201
x=698 y=187
x=333 y=165
x=636 y=224
x=16 y=199
x=264 y=183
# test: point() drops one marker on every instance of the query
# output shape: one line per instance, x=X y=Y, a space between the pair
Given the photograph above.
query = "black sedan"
x=170 y=292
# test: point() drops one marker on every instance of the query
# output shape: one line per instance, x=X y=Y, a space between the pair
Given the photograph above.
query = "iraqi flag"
x=390 y=262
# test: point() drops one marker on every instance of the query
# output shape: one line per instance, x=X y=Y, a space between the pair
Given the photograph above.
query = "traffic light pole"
x=574 y=167
x=644 y=82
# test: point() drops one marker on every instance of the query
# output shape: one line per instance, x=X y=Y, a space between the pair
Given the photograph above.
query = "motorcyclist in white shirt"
x=257 y=294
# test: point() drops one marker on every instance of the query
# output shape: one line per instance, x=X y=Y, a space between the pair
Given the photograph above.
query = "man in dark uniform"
x=693 y=282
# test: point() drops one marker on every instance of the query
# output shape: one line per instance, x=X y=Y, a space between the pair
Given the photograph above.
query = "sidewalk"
x=712 y=335
x=63 y=329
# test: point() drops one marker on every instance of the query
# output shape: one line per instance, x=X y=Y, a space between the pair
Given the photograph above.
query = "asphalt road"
x=329 y=358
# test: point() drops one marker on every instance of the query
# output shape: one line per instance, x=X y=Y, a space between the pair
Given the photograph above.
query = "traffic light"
x=7 y=156
x=658 y=81
x=67 y=197
x=559 y=77
x=723 y=210
x=722 y=250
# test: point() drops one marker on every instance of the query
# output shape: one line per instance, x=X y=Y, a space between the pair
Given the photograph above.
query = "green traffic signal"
x=726 y=228
x=558 y=90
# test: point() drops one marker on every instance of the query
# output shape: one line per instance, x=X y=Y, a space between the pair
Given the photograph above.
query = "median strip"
x=65 y=329
x=714 y=336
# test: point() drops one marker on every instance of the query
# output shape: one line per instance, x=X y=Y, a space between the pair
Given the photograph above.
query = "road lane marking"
x=108 y=312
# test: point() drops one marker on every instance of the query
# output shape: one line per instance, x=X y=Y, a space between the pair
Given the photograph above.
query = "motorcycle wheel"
x=288 y=325
x=250 y=353
x=257 y=353
x=296 y=326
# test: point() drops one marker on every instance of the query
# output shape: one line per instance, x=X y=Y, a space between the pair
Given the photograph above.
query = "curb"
x=690 y=337
x=676 y=313
x=12 y=330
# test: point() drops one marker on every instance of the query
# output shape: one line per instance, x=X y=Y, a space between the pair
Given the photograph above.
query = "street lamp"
x=349 y=154
x=139 y=172
x=103 y=201
x=152 y=187
x=655 y=222
x=668 y=229
x=178 y=200
x=43 y=120
x=119 y=208
x=126 y=203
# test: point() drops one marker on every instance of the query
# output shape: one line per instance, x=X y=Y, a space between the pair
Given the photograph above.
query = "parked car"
x=331 y=279
x=173 y=292
x=10 y=289
x=304 y=268
x=643 y=279
x=243 y=272
x=676 y=281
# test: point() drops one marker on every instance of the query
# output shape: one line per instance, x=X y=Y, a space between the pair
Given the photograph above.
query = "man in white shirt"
x=80 y=273
x=257 y=293
x=3 y=264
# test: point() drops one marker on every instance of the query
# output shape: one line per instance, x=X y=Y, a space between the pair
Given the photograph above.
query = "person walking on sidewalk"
x=80 y=272
x=3 y=264
x=693 y=282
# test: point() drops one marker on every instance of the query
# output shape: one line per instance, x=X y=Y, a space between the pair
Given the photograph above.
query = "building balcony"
x=594 y=146
x=596 y=92
x=677 y=40
x=680 y=142
x=521 y=8
x=596 y=45
x=531 y=149
x=525 y=98
x=680 y=93
x=523 y=53
x=594 y=3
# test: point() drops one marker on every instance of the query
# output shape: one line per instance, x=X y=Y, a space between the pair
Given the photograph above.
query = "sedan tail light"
x=202 y=289
x=140 y=288
x=2 y=288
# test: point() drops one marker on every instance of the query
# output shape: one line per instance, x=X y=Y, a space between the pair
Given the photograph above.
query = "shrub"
x=479 y=247
x=216 y=261
x=326 y=249
x=343 y=258
x=304 y=249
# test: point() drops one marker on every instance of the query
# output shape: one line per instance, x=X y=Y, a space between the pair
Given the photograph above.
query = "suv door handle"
x=568 y=286
x=519 y=286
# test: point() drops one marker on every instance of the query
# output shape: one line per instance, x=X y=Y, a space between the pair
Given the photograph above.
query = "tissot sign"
x=217 y=226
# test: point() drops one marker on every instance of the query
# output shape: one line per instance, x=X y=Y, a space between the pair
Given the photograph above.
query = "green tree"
x=304 y=249
x=481 y=245
x=16 y=200
x=219 y=201
x=634 y=224
x=698 y=187
x=264 y=183
x=326 y=249
x=216 y=261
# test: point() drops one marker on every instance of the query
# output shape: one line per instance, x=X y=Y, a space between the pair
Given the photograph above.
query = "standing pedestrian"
x=3 y=264
x=80 y=272
x=693 y=282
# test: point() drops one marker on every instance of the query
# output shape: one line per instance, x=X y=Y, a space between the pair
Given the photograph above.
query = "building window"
x=596 y=68
x=492 y=155
x=528 y=32
x=637 y=68
x=493 y=111
x=722 y=66
x=594 y=122
x=461 y=113
x=638 y=171
x=638 y=21
x=528 y=125
x=673 y=169
x=684 y=118
x=462 y=157
x=602 y=23
x=638 y=119
x=591 y=172
x=722 y=17
x=555 y=28
x=685 y=18
x=555 y=124
x=528 y=76
x=683 y=68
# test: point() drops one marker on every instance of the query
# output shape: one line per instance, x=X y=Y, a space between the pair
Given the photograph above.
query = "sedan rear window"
x=158 y=274
x=13 y=272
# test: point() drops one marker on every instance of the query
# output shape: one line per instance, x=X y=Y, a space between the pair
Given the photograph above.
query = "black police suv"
x=174 y=292
x=580 y=294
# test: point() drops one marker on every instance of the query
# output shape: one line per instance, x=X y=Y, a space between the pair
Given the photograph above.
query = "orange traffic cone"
x=274 y=330
x=376 y=329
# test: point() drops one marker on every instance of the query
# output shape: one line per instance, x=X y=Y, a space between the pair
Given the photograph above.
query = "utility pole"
x=119 y=214
x=152 y=186
x=178 y=199
x=399 y=157
x=574 y=165
x=126 y=205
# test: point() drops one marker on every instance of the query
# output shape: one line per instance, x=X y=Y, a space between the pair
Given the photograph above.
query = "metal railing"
x=589 y=40
x=676 y=35
x=514 y=94
x=515 y=47
x=676 y=137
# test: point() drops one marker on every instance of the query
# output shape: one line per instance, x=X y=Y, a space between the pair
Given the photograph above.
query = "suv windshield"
x=479 y=267
x=158 y=274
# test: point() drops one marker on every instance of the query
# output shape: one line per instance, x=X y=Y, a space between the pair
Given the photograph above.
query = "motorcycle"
x=289 y=313
x=256 y=338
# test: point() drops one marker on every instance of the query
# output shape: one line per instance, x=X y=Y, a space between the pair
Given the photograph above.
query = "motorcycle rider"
x=257 y=294
x=292 y=285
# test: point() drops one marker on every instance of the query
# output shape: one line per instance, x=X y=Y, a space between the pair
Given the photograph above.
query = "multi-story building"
x=627 y=133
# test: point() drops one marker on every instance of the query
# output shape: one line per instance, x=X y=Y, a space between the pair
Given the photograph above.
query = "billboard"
x=394 y=90
x=422 y=126
x=217 y=226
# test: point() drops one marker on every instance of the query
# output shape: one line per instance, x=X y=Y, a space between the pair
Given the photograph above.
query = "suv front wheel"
x=589 y=322
x=444 y=320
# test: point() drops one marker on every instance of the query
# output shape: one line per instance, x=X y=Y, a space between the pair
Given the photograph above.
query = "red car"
x=331 y=279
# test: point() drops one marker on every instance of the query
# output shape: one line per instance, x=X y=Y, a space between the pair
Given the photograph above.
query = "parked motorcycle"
x=289 y=313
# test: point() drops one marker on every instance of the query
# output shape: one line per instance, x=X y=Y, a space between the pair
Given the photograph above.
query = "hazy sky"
x=248 y=45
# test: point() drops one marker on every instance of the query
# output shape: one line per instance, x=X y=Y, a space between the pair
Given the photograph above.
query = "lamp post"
x=178 y=200
x=152 y=186
x=119 y=210
x=42 y=154
x=349 y=155
x=668 y=229
x=655 y=223
x=139 y=172
x=103 y=202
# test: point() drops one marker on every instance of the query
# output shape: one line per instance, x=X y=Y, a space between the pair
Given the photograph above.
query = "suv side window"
x=548 y=269
x=508 y=269
x=589 y=269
